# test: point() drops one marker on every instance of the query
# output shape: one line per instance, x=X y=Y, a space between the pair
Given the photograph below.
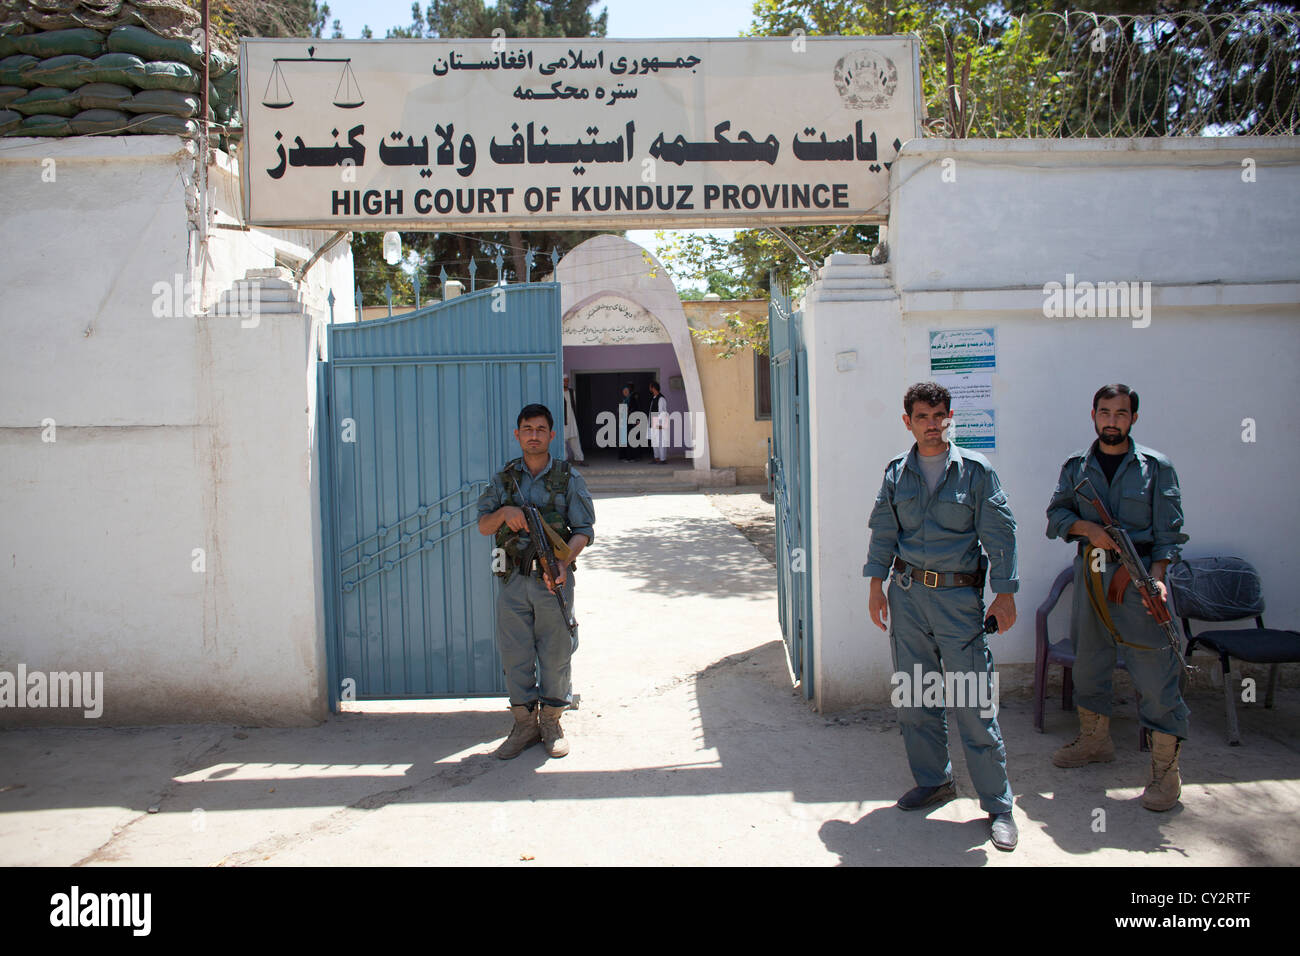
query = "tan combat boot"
x=1093 y=745
x=1166 y=784
x=552 y=733
x=523 y=735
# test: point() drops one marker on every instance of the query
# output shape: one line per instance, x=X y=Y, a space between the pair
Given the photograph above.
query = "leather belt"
x=937 y=579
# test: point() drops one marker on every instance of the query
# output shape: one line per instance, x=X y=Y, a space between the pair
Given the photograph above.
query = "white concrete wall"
x=172 y=433
x=1223 y=345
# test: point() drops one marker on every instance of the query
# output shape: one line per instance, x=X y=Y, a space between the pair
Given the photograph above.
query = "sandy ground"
x=691 y=747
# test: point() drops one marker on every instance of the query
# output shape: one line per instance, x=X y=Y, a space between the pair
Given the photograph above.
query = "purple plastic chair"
x=1061 y=652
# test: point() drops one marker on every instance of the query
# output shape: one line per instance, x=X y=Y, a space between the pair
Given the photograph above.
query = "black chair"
x=1061 y=652
x=1222 y=589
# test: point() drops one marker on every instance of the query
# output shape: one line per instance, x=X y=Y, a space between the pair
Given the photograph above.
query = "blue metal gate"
x=789 y=471
x=417 y=412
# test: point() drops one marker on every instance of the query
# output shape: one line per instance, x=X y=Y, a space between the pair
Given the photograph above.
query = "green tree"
x=1021 y=68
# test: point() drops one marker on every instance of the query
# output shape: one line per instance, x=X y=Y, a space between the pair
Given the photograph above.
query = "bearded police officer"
x=937 y=507
x=1140 y=488
x=532 y=635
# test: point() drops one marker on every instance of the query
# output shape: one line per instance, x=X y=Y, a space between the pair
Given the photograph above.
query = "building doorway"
x=598 y=392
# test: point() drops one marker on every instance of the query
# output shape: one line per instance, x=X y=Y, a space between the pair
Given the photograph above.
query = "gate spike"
x=500 y=261
x=528 y=265
x=388 y=294
x=473 y=270
x=415 y=283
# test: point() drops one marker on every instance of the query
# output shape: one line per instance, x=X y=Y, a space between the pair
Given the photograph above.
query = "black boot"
x=919 y=798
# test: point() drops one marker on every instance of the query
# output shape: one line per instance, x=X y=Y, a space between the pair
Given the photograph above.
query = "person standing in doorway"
x=572 y=445
x=938 y=506
x=659 y=424
x=1140 y=488
x=625 y=410
x=532 y=636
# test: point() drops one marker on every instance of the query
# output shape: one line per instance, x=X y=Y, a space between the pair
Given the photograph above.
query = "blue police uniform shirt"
x=1143 y=497
x=944 y=531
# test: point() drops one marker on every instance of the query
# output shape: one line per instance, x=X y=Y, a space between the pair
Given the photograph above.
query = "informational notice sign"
x=954 y=351
x=574 y=133
x=975 y=428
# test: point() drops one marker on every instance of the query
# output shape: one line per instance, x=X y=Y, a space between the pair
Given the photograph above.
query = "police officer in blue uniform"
x=1141 y=491
x=937 y=507
x=532 y=636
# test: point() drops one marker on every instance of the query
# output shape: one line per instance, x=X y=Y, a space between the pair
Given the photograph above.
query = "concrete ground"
x=691 y=747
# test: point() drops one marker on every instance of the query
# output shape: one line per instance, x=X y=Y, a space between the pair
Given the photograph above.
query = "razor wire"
x=1053 y=75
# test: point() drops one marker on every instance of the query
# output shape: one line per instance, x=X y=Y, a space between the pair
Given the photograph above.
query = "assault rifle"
x=545 y=543
x=1131 y=566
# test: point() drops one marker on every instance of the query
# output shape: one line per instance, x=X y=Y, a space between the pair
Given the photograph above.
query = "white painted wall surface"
x=1223 y=345
x=172 y=433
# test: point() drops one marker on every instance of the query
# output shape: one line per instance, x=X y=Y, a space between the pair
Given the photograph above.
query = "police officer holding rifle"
x=534 y=555
x=1134 y=490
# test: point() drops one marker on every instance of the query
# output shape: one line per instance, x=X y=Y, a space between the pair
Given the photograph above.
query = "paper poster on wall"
x=963 y=350
x=971 y=390
x=974 y=428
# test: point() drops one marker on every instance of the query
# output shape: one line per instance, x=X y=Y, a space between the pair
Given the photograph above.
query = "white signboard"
x=610 y=320
x=590 y=133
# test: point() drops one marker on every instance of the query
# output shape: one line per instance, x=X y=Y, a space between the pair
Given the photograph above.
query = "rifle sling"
x=1092 y=582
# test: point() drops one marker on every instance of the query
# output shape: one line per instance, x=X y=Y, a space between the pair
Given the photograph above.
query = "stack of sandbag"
x=127 y=80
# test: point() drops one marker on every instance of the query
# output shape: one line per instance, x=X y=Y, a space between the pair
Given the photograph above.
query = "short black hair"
x=1110 y=391
x=655 y=386
x=932 y=393
x=532 y=411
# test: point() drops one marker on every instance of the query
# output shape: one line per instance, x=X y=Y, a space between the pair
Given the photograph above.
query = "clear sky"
x=628 y=19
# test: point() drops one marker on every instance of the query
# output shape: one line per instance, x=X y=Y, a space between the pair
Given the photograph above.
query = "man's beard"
x=1112 y=436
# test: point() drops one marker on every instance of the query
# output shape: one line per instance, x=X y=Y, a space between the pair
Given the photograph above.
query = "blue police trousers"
x=1152 y=664
x=928 y=627
x=533 y=641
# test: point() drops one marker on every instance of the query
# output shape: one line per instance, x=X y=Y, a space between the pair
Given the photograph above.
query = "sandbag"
x=168 y=76
x=103 y=96
x=14 y=70
x=121 y=68
x=42 y=125
x=51 y=43
x=99 y=121
x=150 y=46
x=170 y=102
x=10 y=93
x=9 y=119
x=8 y=45
x=159 y=123
x=48 y=99
x=68 y=71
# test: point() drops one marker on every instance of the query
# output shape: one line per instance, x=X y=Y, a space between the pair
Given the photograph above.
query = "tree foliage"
x=1021 y=68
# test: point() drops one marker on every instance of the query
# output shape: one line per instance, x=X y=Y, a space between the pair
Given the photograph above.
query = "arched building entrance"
x=622 y=321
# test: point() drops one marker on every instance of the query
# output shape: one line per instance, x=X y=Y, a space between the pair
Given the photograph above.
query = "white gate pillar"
x=853 y=332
